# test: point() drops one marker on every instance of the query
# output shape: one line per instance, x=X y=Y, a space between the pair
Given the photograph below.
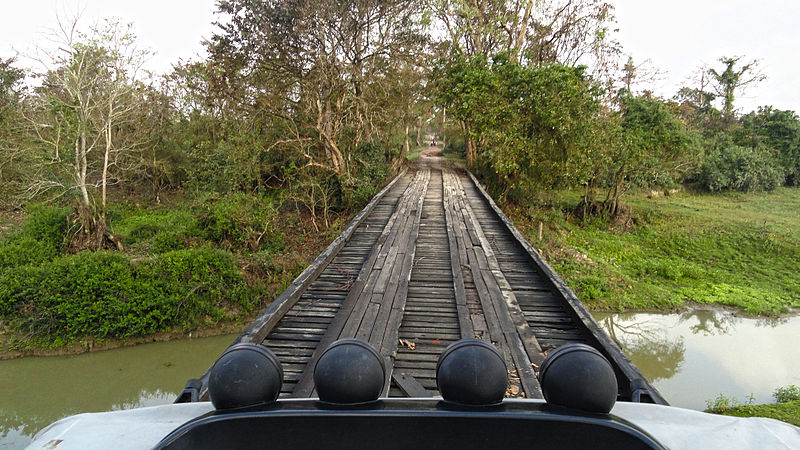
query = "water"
x=695 y=356
x=690 y=358
x=35 y=392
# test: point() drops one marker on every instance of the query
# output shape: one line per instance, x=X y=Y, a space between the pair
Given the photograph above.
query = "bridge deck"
x=430 y=261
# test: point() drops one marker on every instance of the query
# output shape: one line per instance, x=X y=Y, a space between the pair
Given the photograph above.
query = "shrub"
x=740 y=169
x=239 y=220
x=160 y=230
x=167 y=241
x=787 y=394
x=40 y=239
x=103 y=295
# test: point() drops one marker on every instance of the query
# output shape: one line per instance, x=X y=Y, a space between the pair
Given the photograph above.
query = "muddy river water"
x=695 y=356
x=35 y=392
x=690 y=358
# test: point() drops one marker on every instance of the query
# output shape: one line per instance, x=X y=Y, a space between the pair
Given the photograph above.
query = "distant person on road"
x=433 y=142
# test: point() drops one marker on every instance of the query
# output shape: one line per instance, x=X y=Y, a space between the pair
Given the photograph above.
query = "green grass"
x=787 y=409
x=786 y=412
x=415 y=153
x=740 y=250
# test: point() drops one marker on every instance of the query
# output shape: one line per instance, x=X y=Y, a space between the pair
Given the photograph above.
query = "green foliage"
x=721 y=403
x=239 y=220
x=456 y=148
x=534 y=125
x=158 y=231
x=658 y=148
x=740 y=169
x=787 y=394
x=776 y=132
x=358 y=190
x=103 y=295
x=788 y=412
x=41 y=238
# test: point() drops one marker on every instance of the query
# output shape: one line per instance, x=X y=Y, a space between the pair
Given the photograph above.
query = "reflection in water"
x=35 y=392
x=642 y=340
x=709 y=322
x=694 y=356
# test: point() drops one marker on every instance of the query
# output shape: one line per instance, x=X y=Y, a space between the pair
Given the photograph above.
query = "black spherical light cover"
x=578 y=376
x=245 y=375
x=472 y=372
x=350 y=371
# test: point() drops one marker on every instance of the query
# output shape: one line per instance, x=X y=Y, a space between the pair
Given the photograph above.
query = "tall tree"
x=733 y=79
x=696 y=98
x=90 y=91
x=12 y=154
x=321 y=68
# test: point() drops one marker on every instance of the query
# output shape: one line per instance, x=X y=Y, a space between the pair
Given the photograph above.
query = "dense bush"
x=456 y=146
x=357 y=190
x=239 y=220
x=40 y=239
x=740 y=169
x=777 y=131
x=158 y=231
x=101 y=295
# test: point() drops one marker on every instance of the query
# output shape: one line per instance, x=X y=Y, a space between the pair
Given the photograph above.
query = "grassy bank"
x=787 y=409
x=787 y=412
x=739 y=250
x=193 y=264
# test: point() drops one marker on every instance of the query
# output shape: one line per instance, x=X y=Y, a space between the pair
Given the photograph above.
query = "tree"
x=12 y=155
x=319 y=68
x=776 y=133
x=534 y=125
x=81 y=115
x=574 y=32
x=696 y=99
x=655 y=149
x=485 y=27
x=636 y=75
x=731 y=80
x=531 y=33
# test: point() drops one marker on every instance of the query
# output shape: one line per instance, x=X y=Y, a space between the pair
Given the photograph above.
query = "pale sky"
x=677 y=35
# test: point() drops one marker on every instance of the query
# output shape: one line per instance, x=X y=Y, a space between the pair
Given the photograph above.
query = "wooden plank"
x=498 y=319
x=388 y=344
x=410 y=386
x=464 y=321
x=608 y=347
x=305 y=385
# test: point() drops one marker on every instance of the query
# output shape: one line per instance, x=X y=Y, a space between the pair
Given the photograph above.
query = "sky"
x=677 y=36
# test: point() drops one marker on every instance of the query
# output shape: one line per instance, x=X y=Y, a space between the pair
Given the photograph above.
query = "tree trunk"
x=471 y=152
x=407 y=144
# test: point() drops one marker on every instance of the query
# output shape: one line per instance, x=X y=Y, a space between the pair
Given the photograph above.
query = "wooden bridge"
x=429 y=261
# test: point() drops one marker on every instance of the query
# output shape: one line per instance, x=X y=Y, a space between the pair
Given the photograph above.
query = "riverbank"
x=785 y=412
x=199 y=267
x=737 y=250
x=93 y=345
x=787 y=408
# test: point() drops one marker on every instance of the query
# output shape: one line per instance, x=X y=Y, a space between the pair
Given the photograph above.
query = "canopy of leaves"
x=534 y=125
x=777 y=133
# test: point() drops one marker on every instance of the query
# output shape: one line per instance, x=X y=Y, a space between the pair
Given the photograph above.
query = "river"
x=35 y=392
x=690 y=358
x=697 y=355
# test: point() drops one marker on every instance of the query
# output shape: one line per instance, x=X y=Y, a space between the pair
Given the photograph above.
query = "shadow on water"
x=35 y=392
x=694 y=356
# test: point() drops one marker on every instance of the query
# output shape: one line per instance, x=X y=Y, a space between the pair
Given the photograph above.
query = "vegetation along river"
x=35 y=392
